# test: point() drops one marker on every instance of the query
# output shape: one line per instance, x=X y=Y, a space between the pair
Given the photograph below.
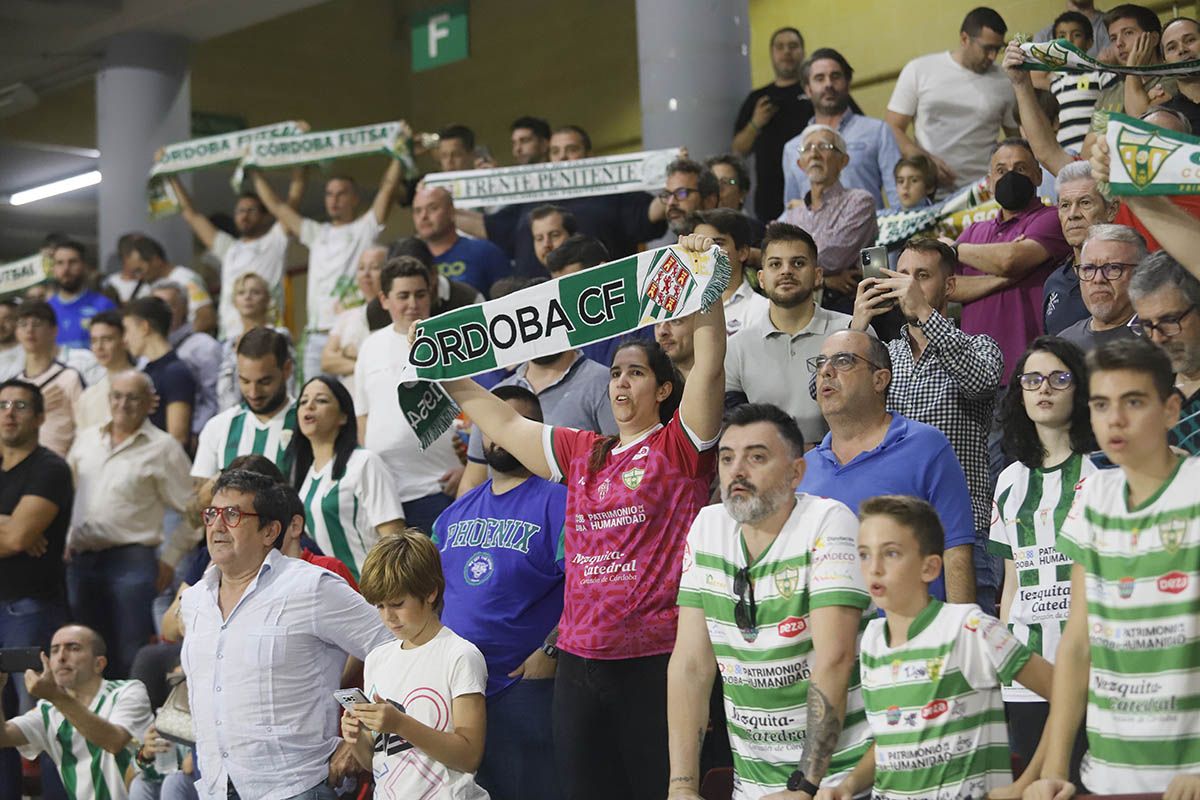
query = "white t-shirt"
x=263 y=256
x=957 y=114
x=197 y=292
x=351 y=329
x=333 y=253
x=377 y=372
x=12 y=361
x=95 y=771
x=425 y=681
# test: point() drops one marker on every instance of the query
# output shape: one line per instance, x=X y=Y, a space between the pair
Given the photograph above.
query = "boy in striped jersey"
x=1128 y=653
x=88 y=725
x=931 y=671
x=770 y=596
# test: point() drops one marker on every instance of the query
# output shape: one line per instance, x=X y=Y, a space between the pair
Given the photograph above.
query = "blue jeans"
x=518 y=762
x=422 y=512
x=319 y=792
x=112 y=591
x=25 y=622
x=314 y=343
x=988 y=571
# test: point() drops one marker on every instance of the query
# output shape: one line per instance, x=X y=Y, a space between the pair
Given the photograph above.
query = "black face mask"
x=1014 y=191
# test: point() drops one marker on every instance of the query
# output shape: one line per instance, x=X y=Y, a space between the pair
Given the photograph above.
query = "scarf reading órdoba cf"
x=1149 y=160
x=557 y=180
x=571 y=311
x=1062 y=56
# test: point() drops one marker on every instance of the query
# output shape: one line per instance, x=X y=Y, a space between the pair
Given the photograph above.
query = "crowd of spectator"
x=852 y=529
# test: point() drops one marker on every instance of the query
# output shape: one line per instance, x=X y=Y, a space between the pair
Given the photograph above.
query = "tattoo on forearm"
x=824 y=728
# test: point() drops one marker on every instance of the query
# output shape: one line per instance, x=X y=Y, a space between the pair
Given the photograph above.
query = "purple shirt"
x=1013 y=317
x=844 y=224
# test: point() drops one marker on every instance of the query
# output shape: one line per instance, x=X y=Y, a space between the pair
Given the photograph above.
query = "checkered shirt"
x=1186 y=433
x=953 y=388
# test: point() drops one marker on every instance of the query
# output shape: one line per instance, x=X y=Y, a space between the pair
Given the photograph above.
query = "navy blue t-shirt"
x=74 y=317
x=1062 y=299
x=474 y=261
x=913 y=459
x=173 y=383
x=502 y=556
x=619 y=221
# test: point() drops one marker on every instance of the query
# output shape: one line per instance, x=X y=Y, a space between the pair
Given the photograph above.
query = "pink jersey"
x=626 y=529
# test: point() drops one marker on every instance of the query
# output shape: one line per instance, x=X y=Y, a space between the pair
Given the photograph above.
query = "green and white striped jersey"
x=237 y=432
x=341 y=515
x=811 y=564
x=1029 y=510
x=1143 y=593
x=88 y=772
x=934 y=703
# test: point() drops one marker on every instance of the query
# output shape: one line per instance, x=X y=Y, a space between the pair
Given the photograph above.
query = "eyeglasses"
x=1059 y=379
x=1166 y=327
x=1111 y=271
x=842 y=362
x=824 y=147
x=19 y=405
x=745 y=613
x=680 y=194
x=231 y=515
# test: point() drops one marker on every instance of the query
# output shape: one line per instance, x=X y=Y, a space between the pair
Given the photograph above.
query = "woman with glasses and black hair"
x=348 y=492
x=1048 y=430
x=631 y=499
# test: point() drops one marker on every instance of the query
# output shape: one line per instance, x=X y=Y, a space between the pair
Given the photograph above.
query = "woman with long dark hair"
x=347 y=491
x=631 y=500
x=1048 y=430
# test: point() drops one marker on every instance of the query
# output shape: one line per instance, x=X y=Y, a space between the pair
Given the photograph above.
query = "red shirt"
x=625 y=533
x=1188 y=202
x=331 y=564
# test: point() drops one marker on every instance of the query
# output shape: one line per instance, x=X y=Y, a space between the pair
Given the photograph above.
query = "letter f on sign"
x=437 y=31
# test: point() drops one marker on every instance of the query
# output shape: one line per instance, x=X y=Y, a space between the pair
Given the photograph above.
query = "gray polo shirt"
x=578 y=399
x=768 y=366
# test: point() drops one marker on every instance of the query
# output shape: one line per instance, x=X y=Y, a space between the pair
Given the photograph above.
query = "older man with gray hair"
x=199 y=350
x=128 y=473
x=1108 y=258
x=841 y=220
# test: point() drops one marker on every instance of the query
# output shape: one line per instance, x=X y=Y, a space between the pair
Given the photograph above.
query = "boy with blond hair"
x=425 y=725
x=931 y=671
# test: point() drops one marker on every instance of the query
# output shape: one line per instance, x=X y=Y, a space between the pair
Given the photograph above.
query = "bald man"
x=870 y=452
x=127 y=474
x=475 y=261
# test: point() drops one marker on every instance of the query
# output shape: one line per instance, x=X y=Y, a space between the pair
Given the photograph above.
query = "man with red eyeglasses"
x=267 y=637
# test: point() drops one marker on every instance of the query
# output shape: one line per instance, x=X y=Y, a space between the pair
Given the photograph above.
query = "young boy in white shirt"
x=931 y=671
x=424 y=728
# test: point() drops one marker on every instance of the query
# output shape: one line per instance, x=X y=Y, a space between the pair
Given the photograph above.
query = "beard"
x=273 y=402
x=542 y=361
x=502 y=461
x=72 y=284
x=756 y=507
x=801 y=297
x=830 y=107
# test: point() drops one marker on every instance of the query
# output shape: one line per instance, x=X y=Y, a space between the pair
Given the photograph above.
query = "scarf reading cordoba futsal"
x=569 y=312
x=1147 y=160
x=1062 y=56
x=211 y=151
x=17 y=276
x=392 y=138
x=557 y=180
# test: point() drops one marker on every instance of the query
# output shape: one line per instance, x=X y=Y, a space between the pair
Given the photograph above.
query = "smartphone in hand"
x=19 y=659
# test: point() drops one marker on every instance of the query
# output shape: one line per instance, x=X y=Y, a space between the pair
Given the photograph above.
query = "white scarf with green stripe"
x=569 y=312
x=17 y=276
x=1062 y=56
x=1148 y=160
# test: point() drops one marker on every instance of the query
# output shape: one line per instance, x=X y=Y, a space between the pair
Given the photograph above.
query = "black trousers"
x=1025 y=724
x=610 y=727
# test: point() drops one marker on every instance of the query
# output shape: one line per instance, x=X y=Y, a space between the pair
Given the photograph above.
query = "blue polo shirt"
x=913 y=459
x=475 y=261
x=1062 y=299
x=502 y=555
x=74 y=317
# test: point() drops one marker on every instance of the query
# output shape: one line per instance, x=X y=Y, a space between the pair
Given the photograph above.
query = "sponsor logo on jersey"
x=786 y=581
x=935 y=709
x=935 y=667
x=1125 y=587
x=1171 y=534
x=642 y=453
x=688 y=559
x=893 y=715
x=479 y=568
x=633 y=478
x=792 y=626
x=1173 y=582
x=602 y=492
x=972 y=623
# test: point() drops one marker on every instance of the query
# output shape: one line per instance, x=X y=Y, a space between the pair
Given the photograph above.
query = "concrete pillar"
x=693 y=72
x=143 y=101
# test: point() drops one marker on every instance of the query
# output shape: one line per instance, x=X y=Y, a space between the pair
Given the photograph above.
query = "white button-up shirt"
x=261 y=682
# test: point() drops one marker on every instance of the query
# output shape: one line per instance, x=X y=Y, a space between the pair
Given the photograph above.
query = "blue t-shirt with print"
x=502 y=555
x=474 y=261
x=74 y=317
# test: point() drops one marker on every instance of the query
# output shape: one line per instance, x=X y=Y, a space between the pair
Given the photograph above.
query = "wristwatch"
x=550 y=650
x=797 y=783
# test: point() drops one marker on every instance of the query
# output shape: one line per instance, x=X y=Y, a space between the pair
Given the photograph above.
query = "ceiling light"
x=55 y=188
